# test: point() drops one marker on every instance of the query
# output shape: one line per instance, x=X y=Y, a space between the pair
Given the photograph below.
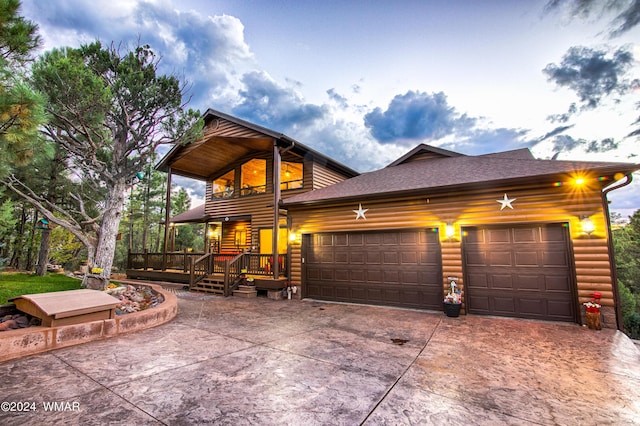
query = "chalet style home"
x=520 y=237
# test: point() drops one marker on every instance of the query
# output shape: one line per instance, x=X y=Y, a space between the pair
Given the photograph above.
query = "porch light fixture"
x=449 y=230
x=587 y=225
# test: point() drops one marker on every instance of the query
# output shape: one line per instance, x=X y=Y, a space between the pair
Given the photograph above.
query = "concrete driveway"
x=259 y=361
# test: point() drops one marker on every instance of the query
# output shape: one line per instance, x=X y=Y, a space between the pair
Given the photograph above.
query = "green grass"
x=17 y=284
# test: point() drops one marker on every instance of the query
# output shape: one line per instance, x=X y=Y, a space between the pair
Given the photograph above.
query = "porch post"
x=167 y=215
x=275 y=268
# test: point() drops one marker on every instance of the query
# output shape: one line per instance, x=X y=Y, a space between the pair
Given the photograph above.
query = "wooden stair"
x=247 y=291
x=211 y=284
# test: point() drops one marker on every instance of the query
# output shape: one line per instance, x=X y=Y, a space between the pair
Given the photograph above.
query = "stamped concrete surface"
x=259 y=361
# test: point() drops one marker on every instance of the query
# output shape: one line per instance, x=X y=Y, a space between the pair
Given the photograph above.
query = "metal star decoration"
x=360 y=212
x=506 y=202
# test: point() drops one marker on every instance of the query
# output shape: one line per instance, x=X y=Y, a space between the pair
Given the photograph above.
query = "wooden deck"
x=210 y=272
x=173 y=276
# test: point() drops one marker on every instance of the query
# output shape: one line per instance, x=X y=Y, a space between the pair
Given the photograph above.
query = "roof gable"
x=516 y=154
x=424 y=152
x=227 y=139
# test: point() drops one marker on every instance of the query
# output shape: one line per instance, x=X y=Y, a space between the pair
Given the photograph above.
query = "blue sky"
x=366 y=81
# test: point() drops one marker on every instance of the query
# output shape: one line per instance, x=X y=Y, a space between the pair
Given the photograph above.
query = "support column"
x=275 y=268
x=167 y=215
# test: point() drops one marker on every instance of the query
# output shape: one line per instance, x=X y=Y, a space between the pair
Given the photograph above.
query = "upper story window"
x=223 y=187
x=254 y=177
x=290 y=176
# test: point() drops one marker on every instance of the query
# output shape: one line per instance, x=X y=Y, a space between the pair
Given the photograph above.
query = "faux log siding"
x=229 y=129
x=258 y=207
x=532 y=205
x=225 y=129
x=324 y=176
x=451 y=264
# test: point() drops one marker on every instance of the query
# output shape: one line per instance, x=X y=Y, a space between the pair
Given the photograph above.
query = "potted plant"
x=592 y=309
x=452 y=302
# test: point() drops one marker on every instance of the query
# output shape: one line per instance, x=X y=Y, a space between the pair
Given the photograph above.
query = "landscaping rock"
x=133 y=298
x=13 y=322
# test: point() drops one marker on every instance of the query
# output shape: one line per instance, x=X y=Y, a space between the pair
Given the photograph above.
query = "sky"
x=365 y=81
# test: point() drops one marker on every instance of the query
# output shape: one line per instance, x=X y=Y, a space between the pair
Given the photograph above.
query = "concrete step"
x=245 y=293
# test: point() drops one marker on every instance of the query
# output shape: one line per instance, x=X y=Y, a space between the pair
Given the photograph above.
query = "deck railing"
x=254 y=263
x=233 y=271
x=178 y=260
x=200 y=268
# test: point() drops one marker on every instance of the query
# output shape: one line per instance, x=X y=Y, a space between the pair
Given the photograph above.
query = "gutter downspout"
x=612 y=260
x=277 y=152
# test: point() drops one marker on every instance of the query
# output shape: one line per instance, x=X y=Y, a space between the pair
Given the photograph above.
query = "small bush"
x=631 y=324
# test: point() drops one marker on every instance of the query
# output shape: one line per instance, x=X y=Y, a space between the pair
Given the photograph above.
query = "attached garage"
x=394 y=268
x=520 y=271
x=525 y=238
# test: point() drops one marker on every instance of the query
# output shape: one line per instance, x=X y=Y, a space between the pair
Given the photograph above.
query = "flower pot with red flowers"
x=592 y=309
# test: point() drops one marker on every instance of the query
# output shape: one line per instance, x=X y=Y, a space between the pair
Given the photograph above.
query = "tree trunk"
x=31 y=243
x=105 y=249
x=18 y=242
x=43 y=255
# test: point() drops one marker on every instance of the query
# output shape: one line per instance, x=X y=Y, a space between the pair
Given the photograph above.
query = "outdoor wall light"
x=587 y=225
x=449 y=230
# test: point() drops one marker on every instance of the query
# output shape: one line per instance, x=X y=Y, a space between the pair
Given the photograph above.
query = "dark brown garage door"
x=521 y=271
x=400 y=268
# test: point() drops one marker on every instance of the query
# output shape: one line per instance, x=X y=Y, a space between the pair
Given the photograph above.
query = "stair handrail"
x=200 y=268
x=233 y=273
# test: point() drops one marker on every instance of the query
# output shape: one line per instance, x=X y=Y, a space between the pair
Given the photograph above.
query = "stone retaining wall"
x=33 y=340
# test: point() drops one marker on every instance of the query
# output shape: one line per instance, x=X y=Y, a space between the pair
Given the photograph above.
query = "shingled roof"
x=194 y=215
x=459 y=172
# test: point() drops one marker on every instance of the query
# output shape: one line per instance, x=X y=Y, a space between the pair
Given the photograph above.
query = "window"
x=290 y=176
x=266 y=240
x=223 y=187
x=254 y=177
